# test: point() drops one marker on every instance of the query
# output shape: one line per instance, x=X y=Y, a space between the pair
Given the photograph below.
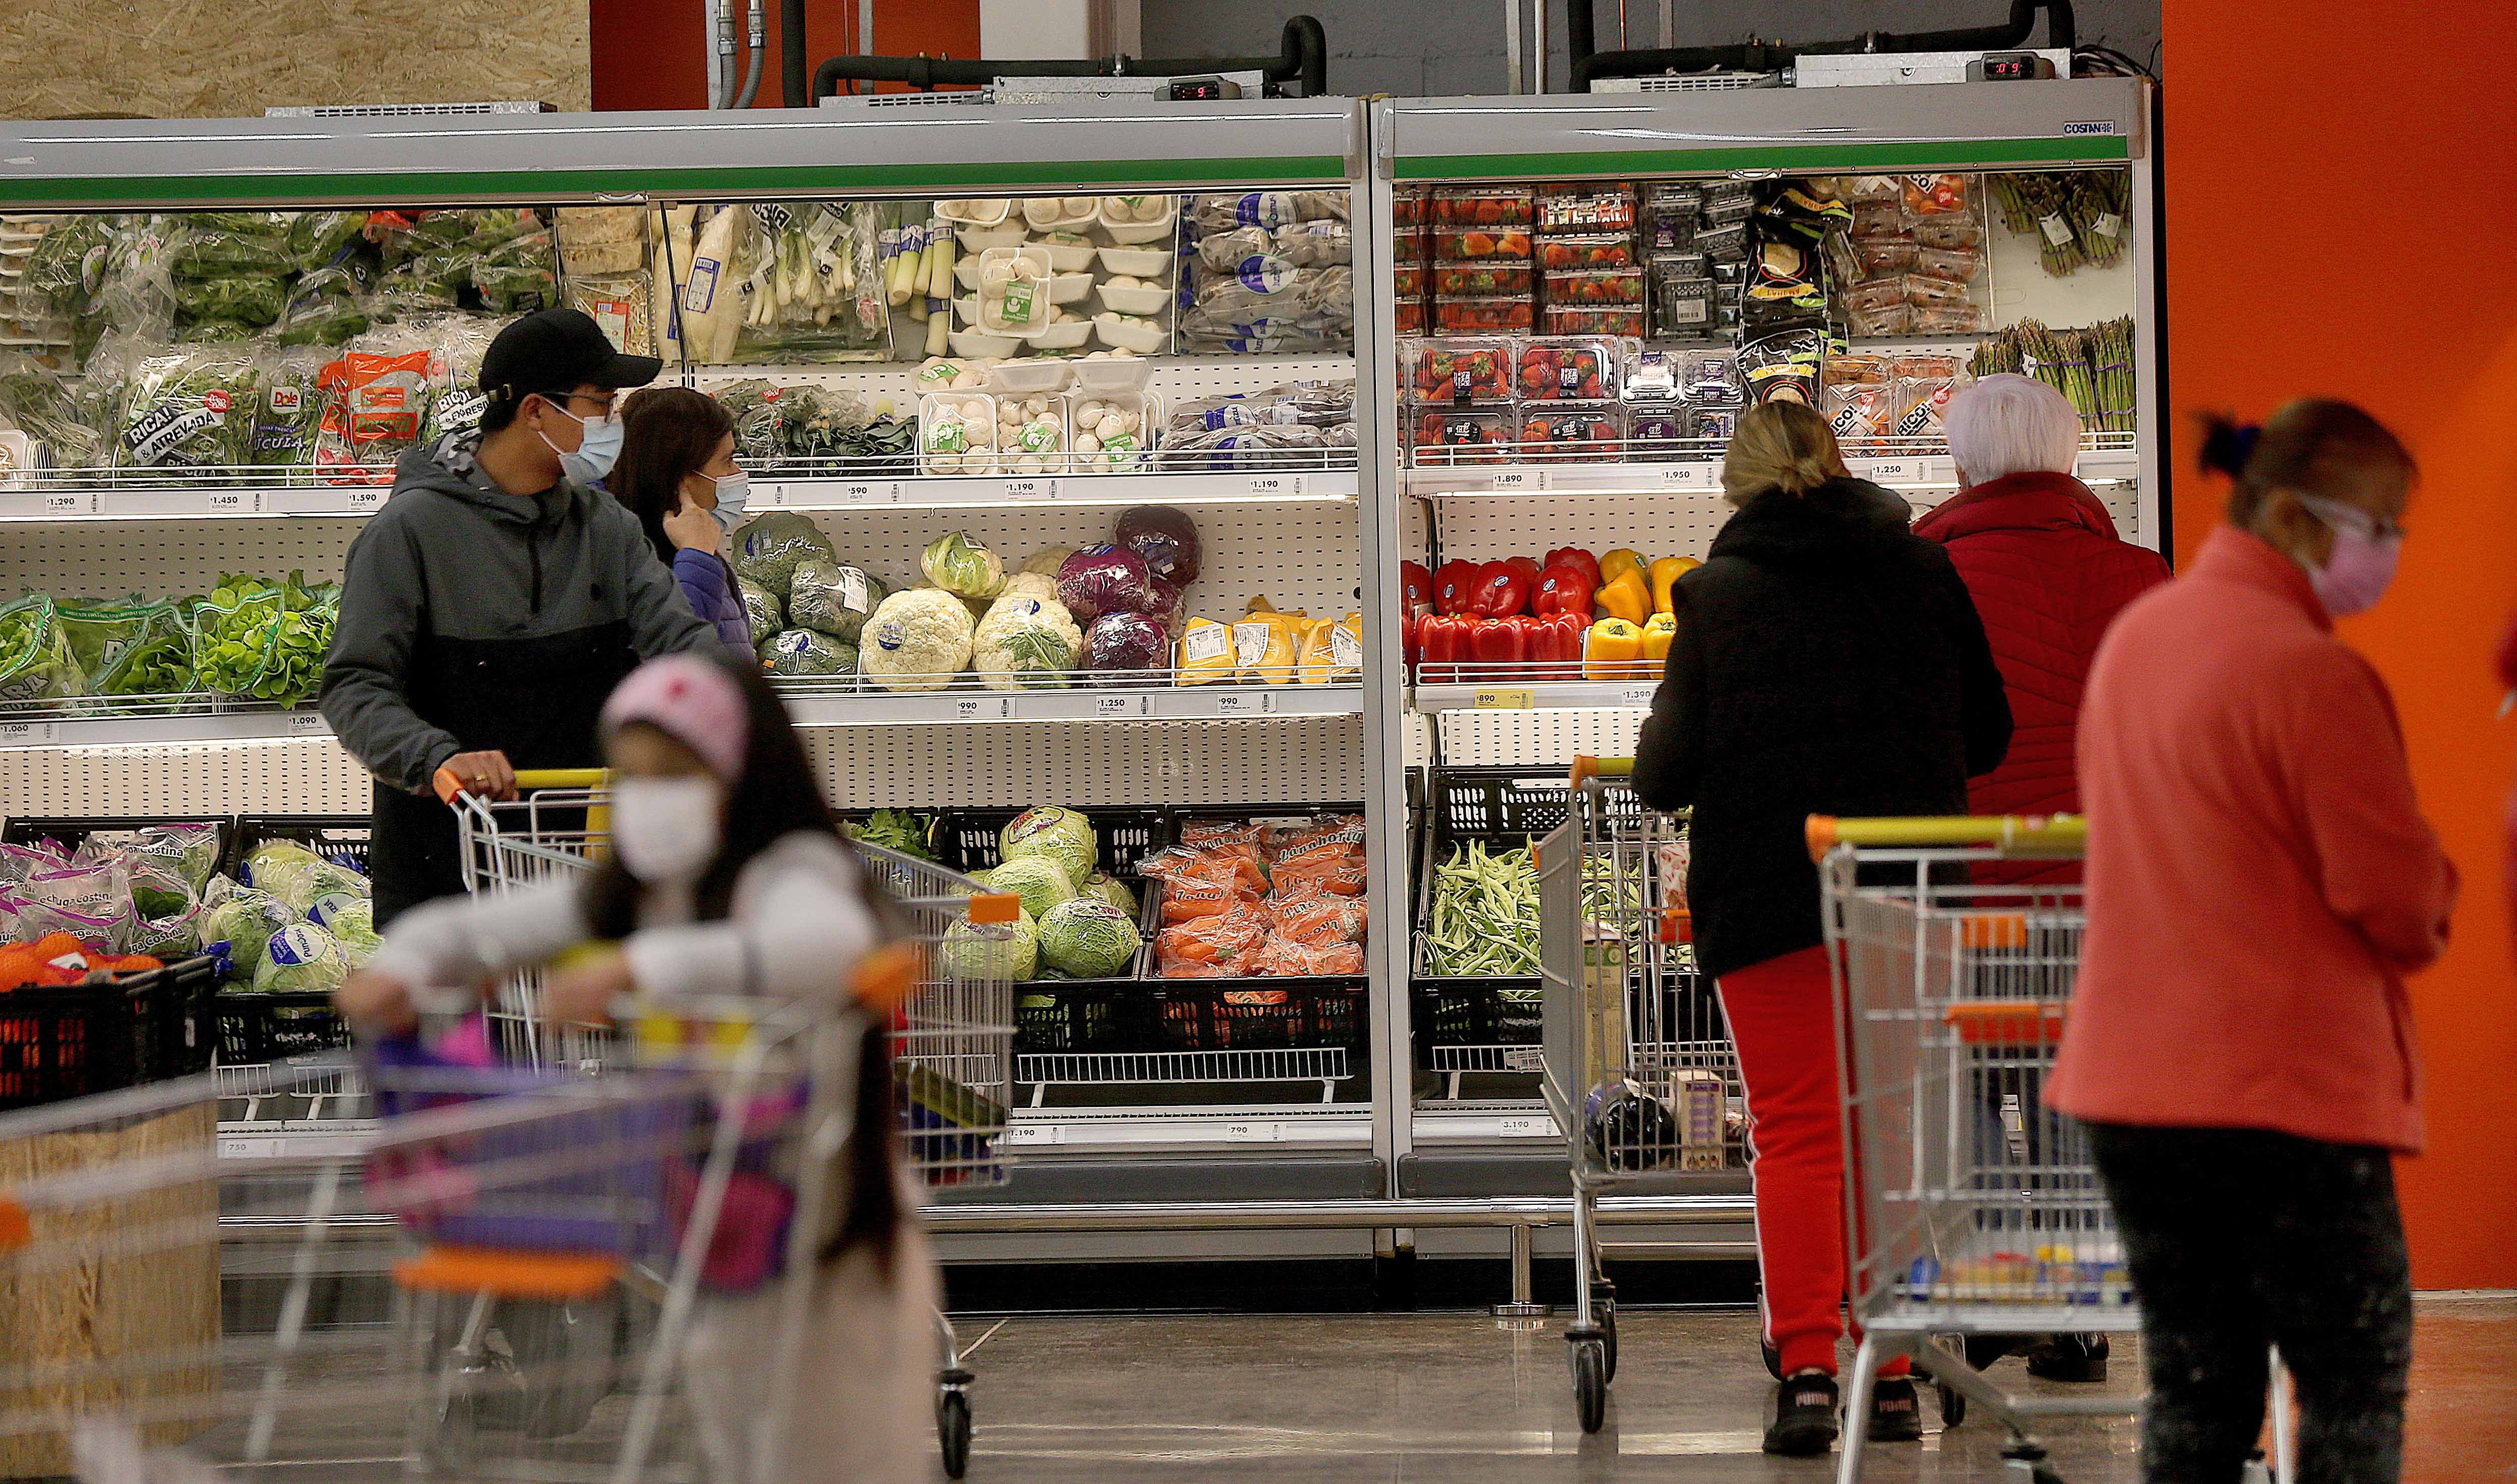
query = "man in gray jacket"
x=496 y=600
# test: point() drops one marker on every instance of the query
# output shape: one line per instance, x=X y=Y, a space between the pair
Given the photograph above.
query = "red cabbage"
x=1126 y=642
x=1104 y=580
x=1167 y=538
x=1170 y=608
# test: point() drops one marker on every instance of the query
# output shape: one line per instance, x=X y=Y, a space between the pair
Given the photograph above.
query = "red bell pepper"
x=1501 y=591
x=1499 y=648
x=1455 y=587
x=1533 y=639
x=1562 y=589
x=1416 y=592
x=1528 y=566
x=1582 y=561
x=1558 y=655
x=1442 y=639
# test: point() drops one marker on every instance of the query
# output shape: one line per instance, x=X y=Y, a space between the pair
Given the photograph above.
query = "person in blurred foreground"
x=678 y=477
x=727 y=877
x=2048 y=573
x=2260 y=881
x=1827 y=660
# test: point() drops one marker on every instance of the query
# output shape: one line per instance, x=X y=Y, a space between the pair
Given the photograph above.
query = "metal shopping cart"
x=952 y=1035
x=1971 y=1210
x=1639 y=1070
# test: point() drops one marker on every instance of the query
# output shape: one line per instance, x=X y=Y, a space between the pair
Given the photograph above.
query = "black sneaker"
x=1804 y=1415
x=1895 y=1411
x=2069 y=1358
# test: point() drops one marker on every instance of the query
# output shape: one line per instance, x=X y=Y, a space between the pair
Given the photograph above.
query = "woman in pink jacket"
x=2260 y=881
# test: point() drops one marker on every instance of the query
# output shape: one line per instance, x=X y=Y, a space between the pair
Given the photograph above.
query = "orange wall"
x=649 y=54
x=2336 y=226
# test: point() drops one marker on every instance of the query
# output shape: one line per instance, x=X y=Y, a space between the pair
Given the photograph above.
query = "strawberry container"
x=1481 y=207
x=1588 y=319
x=1441 y=436
x=1479 y=281
x=1573 y=432
x=1480 y=244
x=1570 y=370
x=1592 y=250
x=1604 y=285
x=1586 y=208
x=1470 y=317
x=1458 y=371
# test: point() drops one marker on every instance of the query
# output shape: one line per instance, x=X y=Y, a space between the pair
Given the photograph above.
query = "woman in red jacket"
x=2260 y=881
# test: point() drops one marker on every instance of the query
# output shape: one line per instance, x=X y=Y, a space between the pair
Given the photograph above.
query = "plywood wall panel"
x=208 y=58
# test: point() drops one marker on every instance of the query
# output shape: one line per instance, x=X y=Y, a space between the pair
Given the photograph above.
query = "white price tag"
x=1525 y=1128
x=1883 y=470
x=1250 y=1133
x=1275 y=483
x=69 y=502
x=366 y=498
x=1031 y=489
x=1231 y=704
x=1518 y=479
x=233 y=501
x=307 y=724
x=1036 y=1133
x=966 y=708
x=1637 y=695
x=1122 y=705
x=870 y=493
x=24 y=734
x=1685 y=476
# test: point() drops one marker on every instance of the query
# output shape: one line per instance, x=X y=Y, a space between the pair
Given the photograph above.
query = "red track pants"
x=1782 y=1019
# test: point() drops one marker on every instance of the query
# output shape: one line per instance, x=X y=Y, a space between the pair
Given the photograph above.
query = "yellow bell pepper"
x=1664 y=574
x=1626 y=596
x=1612 y=651
x=1657 y=634
x=1623 y=559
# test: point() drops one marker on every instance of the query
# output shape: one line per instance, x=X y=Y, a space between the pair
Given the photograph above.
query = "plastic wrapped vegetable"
x=832 y=599
x=1118 y=643
x=188 y=408
x=324 y=310
x=1026 y=643
x=353 y=929
x=1165 y=538
x=35 y=659
x=316 y=238
x=1002 y=951
x=1048 y=560
x=1104 y=580
x=289 y=411
x=962 y=567
x=1039 y=879
x=1108 y=888
x=762 y=609
x=299 y=957
x=165 y=915
x=916 y=639
x=800 y=652
x=1086 y=938
x=264 y=641
x=767 y=548
x=244 y=922
x=1064 y=835
x=189 y=852
x=298 y=876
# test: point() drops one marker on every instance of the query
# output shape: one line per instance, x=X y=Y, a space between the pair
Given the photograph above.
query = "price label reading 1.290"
x=69 y=503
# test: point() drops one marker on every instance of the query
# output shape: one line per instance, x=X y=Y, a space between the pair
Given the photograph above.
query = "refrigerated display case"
x=1674 y=257
x=1424 y=332
x=940 y=373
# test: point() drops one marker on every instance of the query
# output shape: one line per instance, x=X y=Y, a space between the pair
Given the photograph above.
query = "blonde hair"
x=1781 y=445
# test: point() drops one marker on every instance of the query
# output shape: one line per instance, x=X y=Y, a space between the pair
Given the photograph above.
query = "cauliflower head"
x=916 y=640
x=1024 y=641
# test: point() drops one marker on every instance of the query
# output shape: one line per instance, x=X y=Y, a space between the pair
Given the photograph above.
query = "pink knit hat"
x=691 y=701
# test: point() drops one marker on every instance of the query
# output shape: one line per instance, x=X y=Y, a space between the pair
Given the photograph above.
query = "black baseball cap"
x=558 y=350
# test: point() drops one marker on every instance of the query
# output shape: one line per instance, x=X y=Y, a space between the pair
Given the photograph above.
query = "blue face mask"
x=597 y=449
x=733 y=496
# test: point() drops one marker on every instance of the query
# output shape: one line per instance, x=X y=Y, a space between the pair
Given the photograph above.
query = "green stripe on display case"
x=1849 y=157
x=704 y=182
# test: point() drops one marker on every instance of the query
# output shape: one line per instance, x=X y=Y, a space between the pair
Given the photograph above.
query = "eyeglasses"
x=2340 y=516
x=606 y=403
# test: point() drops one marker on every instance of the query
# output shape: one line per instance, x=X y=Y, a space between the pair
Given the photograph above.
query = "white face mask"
x=733 y=493
x=667 y=829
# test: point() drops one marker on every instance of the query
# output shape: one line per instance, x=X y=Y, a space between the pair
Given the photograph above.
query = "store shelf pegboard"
x=109 y=559
x=71 y=1041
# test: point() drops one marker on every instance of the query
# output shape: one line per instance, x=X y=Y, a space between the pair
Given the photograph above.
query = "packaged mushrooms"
x=957 y=434
x=1030 y=433
x=1113 y=432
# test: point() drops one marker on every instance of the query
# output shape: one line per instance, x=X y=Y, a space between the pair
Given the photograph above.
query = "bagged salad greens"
x=135 y=648
x=324 y=310
x=264 y=641
x=288 y=412
x=38 y=405
x=455 y=346
x=189 y=408
x=35 y=659
x=165 y=915
x=761 y=610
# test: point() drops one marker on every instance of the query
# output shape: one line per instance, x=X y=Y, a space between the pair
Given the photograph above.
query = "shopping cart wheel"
x=1590 y=1359
x=2025 y=1463
x=1952 y=1405
x=952 y=1423
x=1605 y=1311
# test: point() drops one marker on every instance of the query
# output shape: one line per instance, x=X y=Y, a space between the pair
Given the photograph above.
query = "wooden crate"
x=80 y=1328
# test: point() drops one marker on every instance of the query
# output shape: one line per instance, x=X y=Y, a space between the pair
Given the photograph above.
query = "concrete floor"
x=1463 y=1400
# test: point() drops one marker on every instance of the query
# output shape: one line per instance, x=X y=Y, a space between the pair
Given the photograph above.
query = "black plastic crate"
x=1502 y=807
x=339 y=838
x=71 y=1041
x=965 y=839
x=253 y=1029
x=1262 y=1015
x=1055 y=1016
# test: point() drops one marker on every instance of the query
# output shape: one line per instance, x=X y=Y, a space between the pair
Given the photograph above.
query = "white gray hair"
x=2011 y=424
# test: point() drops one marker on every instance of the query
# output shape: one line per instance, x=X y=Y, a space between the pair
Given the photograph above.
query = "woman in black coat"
x=1827 y=660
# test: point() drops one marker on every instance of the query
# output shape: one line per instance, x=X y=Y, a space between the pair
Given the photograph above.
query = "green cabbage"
x=761 y=610
x=1086 y=938
x=1039 y=879
x=962 y=567
x=1062 y=834
x=1105 y=887
x=245 y=921
x=301 y=957
x=298 y=876
x=831 y=598
x=767 y=549
x=999 y=951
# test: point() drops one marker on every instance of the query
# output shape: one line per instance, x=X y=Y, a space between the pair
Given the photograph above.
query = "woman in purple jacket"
x=678 y=475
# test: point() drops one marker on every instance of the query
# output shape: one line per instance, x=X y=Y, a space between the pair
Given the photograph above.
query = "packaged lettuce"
x=767 y=549
x=298 y=957
x=190 y=851
x=761 y=610
x=264 y=641
x=289 y=410
x=802 y=652
x=188 y=408
x=1006 y=951
x=36 y=658
x=298 y=876
x=165 y=914
x=244 y=920
x=130 y=649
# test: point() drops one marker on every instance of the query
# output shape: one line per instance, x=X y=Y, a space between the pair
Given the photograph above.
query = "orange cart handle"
x=449 y=788
x=1585 y=768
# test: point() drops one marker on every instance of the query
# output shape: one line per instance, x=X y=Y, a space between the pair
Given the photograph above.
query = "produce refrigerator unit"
x=1348 y=343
